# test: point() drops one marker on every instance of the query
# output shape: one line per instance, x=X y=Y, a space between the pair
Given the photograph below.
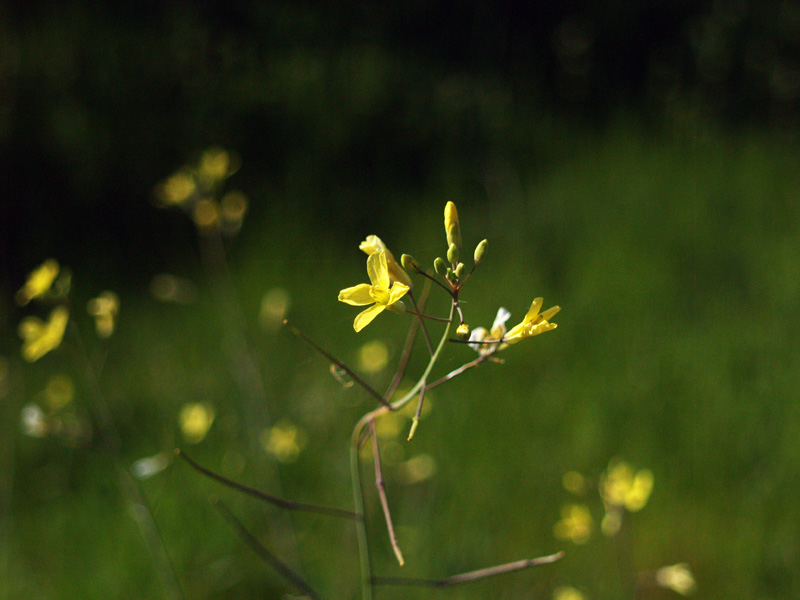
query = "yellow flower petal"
x=377 y=270
x=40 y=338
x=365 y=317
x=375 y=244
x=358 y=295
x=397 y=291
x=39 y=282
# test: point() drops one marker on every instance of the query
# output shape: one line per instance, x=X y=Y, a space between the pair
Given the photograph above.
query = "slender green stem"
x=355 y=468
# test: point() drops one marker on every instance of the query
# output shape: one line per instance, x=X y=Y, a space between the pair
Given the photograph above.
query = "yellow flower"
x=396 y=273
x=575 y=524
x=104 y=309
x=567 y=593
x=451 y=225
x=480 y=334
x=195 y=420
x=39 y=282
x=38 y=337
x=621 y=487
x=377 y=292
x=678 y=578
x=533 y=323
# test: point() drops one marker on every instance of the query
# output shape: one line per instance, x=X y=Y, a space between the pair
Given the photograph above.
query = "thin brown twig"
x=382 y=494
x=280 y=502
x=471 y=575
x=458 y=371
x=338 y=363
x=259 y=548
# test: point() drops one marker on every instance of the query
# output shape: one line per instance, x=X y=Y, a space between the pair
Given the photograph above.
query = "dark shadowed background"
x=633 y=162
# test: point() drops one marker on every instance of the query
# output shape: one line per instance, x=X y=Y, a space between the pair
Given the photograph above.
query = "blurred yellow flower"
x=566 y=592
x=396 y=273
x=417 y=469
x=284 y=441
x=452 y=227
x=623 y=487
x=177 y=188
x=533 y=323
x=104 y=309
x=678 y=578
x=575 y=524
x=373 y=356
x=38 y=337
x=378 y=292
x=195 y=420
x=39 y=282
x=217 y=164
x=58 y=392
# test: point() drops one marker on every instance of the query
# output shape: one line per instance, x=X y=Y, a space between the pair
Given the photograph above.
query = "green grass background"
x=675 y=258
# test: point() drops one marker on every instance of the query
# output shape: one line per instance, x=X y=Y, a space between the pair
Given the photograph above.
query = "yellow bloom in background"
x=677 y=578
x=39 y=282
x=58 y=392
x=575 y=524
x=39 y=337
x=378 y=292
x=216 y=165
x=566 y=592
x=195 y=420
x=623 y=487
x=396 y=273
x=373 y=356
x=284 y=441
x=533 y=323
x=104 y=309
x=452 y=227
x=177 y=188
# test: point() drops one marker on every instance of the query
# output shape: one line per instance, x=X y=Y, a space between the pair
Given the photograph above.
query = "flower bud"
x=452 y=254
x=460 y=268
x=409 y=264
x=462 y=332
x=451 y=225
x=480 y=251
x=440 y=266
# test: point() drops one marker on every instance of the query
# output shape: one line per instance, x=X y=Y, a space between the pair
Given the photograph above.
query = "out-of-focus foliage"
x=635 y=162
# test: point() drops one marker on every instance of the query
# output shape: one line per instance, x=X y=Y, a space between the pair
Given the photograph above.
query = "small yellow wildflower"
x=480 y=334
x=396 y=273
x=104 y=309
x=38 y=337
x=575 y=524
x=373 y=356
x=377 y=292
x=284 y=441
x=678 y=578
x=177 y=188
x=623 y=487
x=533 y=323
x=452 y=227
x=217 y=164
x=195 y=420
x=39 y=282
x=566 y=592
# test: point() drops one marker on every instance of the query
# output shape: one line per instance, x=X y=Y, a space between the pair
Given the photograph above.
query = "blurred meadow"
x=635 y=165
